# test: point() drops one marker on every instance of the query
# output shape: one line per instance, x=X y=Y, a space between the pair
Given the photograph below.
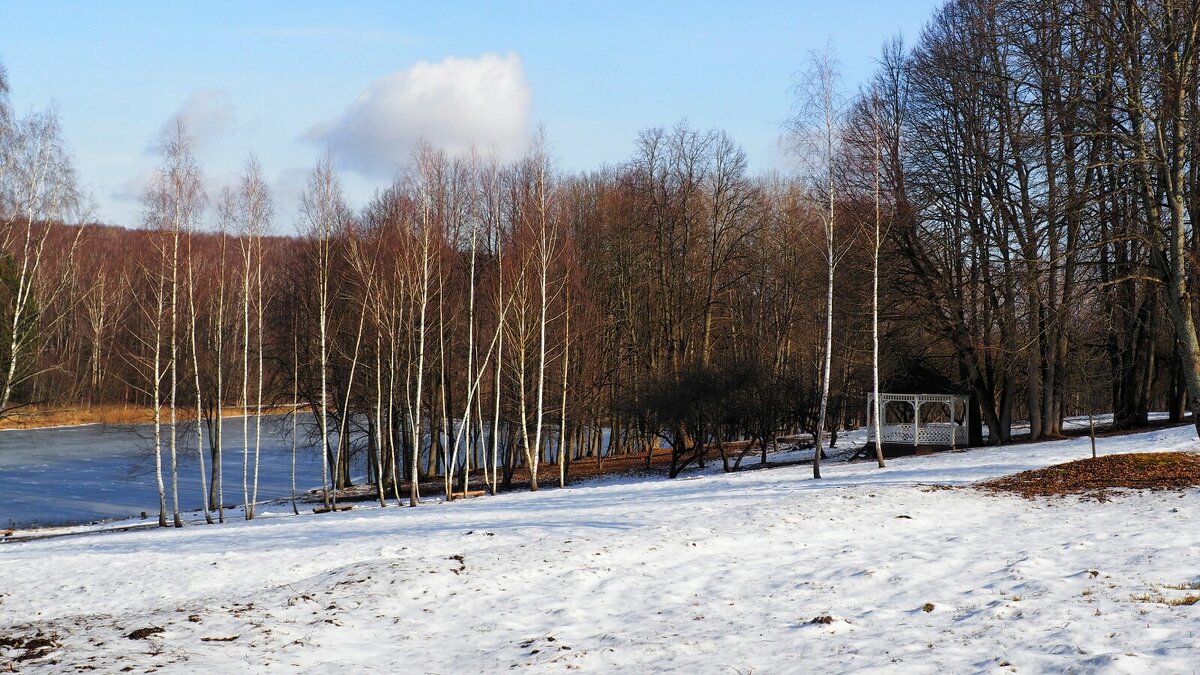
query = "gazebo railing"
x=895 y=433
x=942 y=433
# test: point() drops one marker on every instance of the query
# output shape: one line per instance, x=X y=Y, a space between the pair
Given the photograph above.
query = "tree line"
x=1009 y=199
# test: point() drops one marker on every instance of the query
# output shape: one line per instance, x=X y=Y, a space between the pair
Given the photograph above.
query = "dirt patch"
x=143 y=633
x=1139 y=471
x=30 y=646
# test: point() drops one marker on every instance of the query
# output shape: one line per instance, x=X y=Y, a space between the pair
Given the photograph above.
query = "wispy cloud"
x=454 y=104
x=326 y=34
x=131 y=189
x=208 y=115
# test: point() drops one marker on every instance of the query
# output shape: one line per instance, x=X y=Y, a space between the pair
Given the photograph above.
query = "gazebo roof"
x=919 y=378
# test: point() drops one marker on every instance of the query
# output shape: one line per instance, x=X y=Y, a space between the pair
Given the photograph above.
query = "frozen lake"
x=73 y=475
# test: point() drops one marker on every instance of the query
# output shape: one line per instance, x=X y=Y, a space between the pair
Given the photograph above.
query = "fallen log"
x=467 y=495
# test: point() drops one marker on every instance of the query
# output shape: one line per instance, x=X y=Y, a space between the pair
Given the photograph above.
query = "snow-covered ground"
x=712 y=573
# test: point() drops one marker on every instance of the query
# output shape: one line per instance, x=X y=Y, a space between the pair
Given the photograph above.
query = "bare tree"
x=545 y=255
x=322 y=211
x=295 y=413
x=563 y=447
x=226 y=216
x=255 y=210
x=192 y=330
x=37 y=191
x=816 y=128
x=877 y=243
x=1158 y=42
x=173 y=200
x=422 y=273
x=867 y=145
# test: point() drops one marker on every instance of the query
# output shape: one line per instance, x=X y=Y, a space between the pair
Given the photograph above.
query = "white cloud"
x=453 y=104
x=208 y=114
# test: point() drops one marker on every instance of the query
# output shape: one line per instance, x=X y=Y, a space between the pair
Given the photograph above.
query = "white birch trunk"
x=196 y=374
x=379 y=417
x=247 y=508
x=875 y=308
x=498 y=372
x=414 y=495
x=295 y=413
x=562 y=418
x=219 y=436
x=830 y=265
x=156 y=386
x=174 y=373
x=258 y=402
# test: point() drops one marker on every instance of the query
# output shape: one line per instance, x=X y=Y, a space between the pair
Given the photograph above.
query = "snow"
x=711 y=573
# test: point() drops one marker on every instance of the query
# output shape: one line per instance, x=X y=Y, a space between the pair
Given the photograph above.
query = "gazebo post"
x=953 y=423
x=870 y=404
x=916 y=420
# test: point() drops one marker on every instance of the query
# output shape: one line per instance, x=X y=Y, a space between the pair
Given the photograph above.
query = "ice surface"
x=67 y=475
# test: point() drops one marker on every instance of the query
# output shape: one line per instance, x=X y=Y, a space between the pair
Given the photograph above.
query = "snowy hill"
x=712 y=573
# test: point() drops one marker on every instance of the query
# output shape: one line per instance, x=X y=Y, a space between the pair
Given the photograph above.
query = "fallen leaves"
x=1148 y=470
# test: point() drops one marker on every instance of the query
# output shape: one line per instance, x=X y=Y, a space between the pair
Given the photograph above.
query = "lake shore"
x=54 y=417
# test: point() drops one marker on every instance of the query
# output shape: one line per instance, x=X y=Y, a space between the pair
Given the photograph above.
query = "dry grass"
x=40 y=417
x=1185 y=601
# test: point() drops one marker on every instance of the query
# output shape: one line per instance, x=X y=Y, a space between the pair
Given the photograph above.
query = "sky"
x=288 y=81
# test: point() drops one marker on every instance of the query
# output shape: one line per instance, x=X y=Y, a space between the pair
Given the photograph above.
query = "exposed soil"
x=1139 y=471
x=28 y=647
x=580 y=469
x=143 y=633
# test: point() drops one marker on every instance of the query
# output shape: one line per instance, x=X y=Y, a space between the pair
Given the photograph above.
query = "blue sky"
x=286 y=80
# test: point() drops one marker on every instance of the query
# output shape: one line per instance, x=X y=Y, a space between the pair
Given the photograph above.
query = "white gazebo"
x=921 y=412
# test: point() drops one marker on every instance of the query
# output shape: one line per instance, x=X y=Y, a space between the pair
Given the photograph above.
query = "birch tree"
x=322 y=211
x=199 y=392
x=227 y=209
x=424 y=267
x=152 y=303
x=492 y=215
x=255 y=210
x=174 y=200
x=37 y=190
x=544 y=255
x=867 y=148
x=876 y=242
x=816 y=128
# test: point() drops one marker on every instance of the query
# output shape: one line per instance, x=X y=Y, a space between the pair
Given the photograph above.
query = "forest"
x=1009 y=201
